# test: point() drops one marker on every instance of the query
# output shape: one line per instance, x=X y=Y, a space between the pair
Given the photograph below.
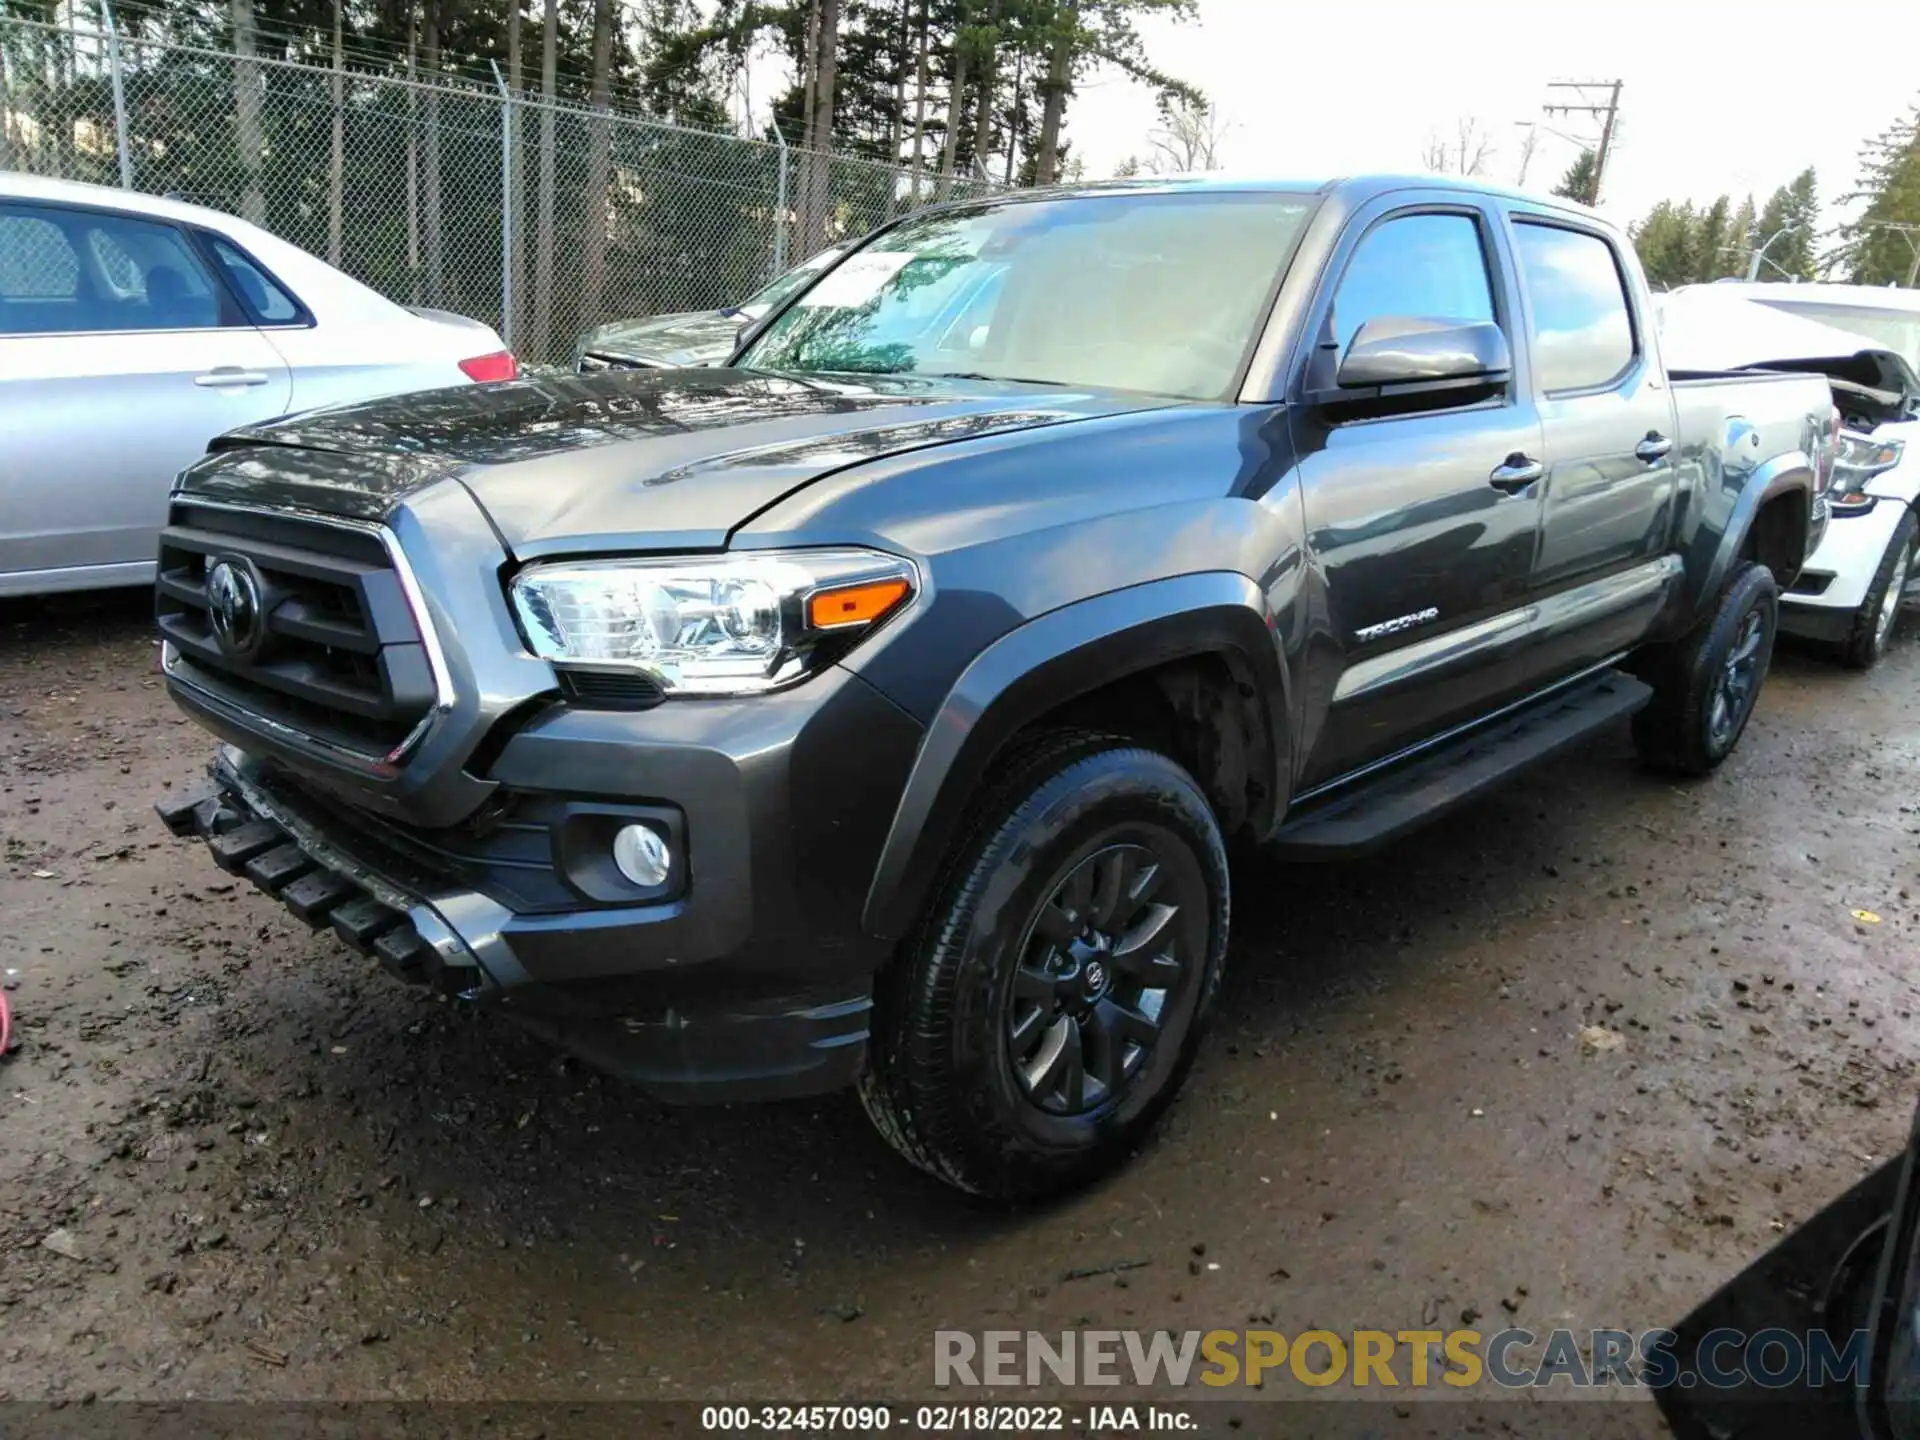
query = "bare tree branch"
x=1469 y=152
x=1187 y=139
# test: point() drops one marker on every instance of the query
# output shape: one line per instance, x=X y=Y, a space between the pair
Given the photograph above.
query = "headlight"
x=1860 y=458
x=723 y=625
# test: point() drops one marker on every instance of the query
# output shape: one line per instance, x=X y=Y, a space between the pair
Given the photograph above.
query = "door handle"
x=1516 y=473
x=1654 y=447
x=222 y=376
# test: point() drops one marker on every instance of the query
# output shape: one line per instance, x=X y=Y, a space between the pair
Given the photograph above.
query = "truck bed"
x=1732 y=424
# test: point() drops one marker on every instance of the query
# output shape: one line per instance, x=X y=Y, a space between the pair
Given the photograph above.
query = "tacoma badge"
x=1397 y=624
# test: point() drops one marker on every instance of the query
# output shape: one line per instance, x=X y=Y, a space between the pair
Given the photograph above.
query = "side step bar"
x=1375 y=812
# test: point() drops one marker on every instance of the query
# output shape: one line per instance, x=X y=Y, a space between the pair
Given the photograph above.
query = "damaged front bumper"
x=252 y=833
x=721 y=1038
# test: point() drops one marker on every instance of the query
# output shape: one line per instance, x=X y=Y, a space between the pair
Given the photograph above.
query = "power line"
x=1609 y=113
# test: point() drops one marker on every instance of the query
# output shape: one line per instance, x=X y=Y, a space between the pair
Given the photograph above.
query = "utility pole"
x=1526 y=151
x=1608 y=113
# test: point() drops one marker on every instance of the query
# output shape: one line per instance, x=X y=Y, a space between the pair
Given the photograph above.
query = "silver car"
x=133 y=330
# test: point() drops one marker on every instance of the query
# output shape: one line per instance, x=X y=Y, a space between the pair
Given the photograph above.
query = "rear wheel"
x=1705 y=684
x=1879 y=613
x=1056 y=996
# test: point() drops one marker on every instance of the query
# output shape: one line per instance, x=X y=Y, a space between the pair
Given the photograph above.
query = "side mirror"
x=749 y=330
x=1398 y=350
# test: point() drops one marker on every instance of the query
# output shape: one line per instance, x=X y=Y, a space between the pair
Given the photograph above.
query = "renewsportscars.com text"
x=1392 y=1359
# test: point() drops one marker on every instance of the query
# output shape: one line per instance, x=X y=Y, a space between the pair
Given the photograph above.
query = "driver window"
x=1427 y=265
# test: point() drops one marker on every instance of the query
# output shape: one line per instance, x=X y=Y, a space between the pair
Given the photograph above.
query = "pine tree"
x=1663 y=241
x=1707 y=245
x=1737 y=249
x=1875 y=253
x=1578 y=182
x=1786 y=228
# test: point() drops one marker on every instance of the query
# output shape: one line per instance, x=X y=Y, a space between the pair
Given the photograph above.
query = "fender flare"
x=1049 y=661
x=1784 y=474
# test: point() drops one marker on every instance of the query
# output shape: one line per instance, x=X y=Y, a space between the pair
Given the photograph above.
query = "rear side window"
x=36 y=260
x=79 y=271
x=1582 y=326
x=1432 y=266
x=269 y=304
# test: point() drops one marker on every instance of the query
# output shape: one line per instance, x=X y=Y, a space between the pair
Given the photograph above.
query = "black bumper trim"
x=245 y=842
x=721 y=1048
x=1828 y=623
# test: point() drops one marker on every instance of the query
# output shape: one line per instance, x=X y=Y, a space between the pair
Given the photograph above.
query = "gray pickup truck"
x=876 y=711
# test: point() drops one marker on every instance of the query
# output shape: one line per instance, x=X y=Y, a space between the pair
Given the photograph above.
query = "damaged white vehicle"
x=1867 y=342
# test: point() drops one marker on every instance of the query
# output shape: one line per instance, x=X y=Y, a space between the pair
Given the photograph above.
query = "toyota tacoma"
x=877 y=710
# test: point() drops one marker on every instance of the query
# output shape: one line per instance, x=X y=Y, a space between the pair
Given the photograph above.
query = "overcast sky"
x=1718 y=96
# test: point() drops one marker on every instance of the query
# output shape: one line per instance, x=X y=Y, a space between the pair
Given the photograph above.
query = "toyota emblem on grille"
x=233 y=604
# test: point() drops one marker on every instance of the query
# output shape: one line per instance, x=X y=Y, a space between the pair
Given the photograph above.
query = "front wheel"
x=1874 y=621
x=1056 y=995
x=1705 y=685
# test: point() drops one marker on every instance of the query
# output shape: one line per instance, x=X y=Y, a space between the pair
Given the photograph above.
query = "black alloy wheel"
x=1099 y=967
x=1737 y=684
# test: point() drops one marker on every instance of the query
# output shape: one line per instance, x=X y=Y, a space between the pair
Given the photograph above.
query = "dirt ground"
x=270 y=1172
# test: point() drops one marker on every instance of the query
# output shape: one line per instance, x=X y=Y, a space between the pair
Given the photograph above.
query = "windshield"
x=1888 y=329
x=779 y=288
x=1159 y=293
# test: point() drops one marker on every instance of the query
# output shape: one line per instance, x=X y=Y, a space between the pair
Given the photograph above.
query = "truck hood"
x=672 y=459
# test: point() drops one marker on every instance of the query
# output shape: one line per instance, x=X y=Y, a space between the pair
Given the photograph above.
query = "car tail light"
x=500 y=365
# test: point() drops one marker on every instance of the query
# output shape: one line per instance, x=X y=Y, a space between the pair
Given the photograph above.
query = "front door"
x=1604 y=571
x=121 y=356
x=1424 y=521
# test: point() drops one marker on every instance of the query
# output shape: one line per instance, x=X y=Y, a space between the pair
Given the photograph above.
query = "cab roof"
x=1355 y=190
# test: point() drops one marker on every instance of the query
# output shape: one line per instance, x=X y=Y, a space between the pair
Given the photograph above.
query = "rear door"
x=121 y=355
x=1604 y=570
x=1422 y=515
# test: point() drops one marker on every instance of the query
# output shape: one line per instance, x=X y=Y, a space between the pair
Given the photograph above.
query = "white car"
x=134 y=329
x=1867 y=342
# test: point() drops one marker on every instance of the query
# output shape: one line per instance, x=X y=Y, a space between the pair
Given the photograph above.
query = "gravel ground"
x=1573 y=1057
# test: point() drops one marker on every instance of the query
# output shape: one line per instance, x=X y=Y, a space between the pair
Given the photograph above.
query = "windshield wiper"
x=979 y=375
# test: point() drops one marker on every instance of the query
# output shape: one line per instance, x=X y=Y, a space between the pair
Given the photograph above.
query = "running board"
x=1371 y=813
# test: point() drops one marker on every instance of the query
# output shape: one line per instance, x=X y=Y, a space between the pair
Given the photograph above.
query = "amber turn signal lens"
x=855 y=604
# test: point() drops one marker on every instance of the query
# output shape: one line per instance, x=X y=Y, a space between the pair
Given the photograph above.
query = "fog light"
x=642 y=855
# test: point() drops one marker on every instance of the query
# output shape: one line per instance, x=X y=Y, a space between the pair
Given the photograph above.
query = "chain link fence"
x=540 y=219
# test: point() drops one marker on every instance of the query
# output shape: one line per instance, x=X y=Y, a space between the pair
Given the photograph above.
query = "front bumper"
x=752 y=981
x=478 y=855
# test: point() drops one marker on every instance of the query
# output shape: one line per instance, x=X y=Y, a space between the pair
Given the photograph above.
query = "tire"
x=1703 y=691
x=1023 y=964
x=1879 y=614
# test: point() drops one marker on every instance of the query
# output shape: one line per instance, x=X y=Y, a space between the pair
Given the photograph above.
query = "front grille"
x=341 y=658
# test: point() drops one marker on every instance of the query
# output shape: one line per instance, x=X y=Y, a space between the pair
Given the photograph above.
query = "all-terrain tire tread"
x=1670 y=732
x=902 y=1088
x=883 y=1092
